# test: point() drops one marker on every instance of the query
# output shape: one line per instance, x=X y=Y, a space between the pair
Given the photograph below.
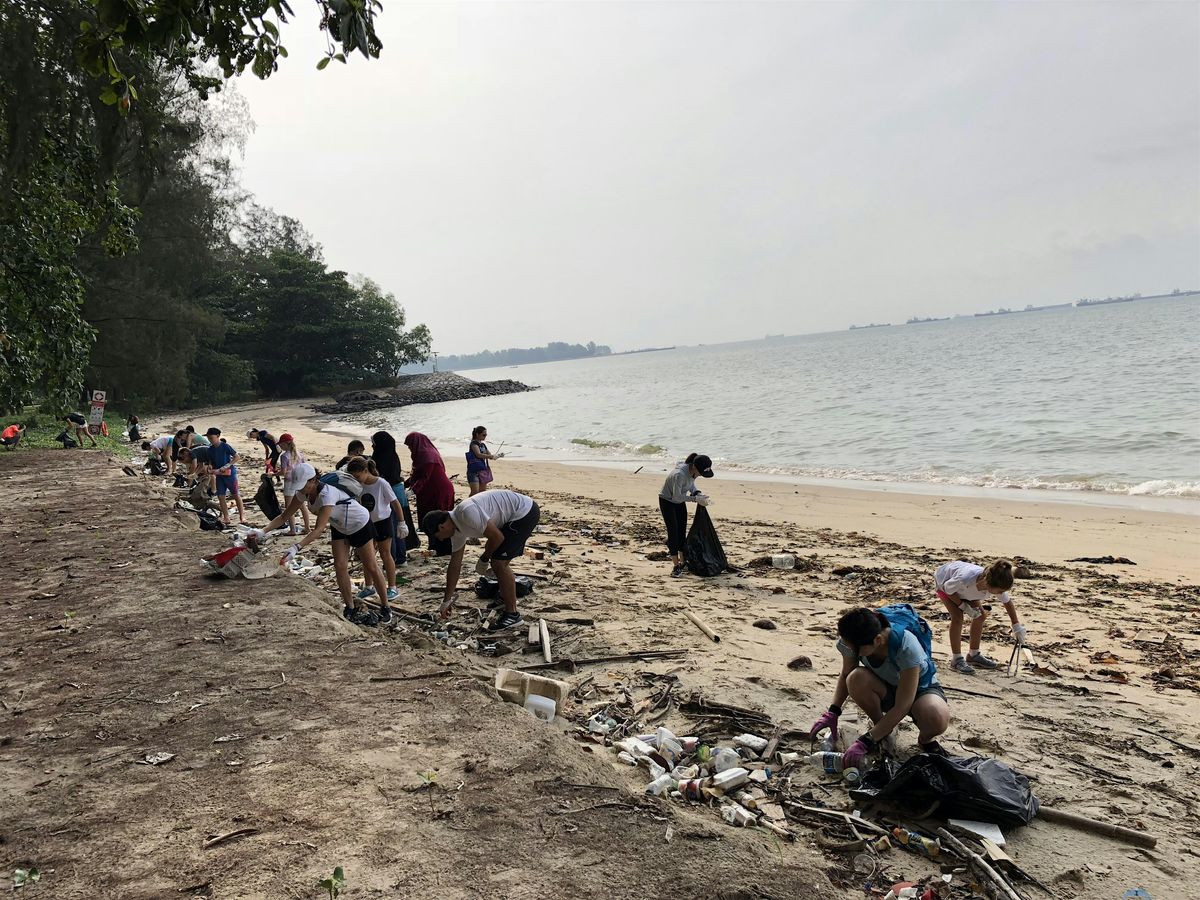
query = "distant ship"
x=774 y=337
x=996 y=312
x=1032 y=308
x=872 y=325
x=1106 y=301
x=916 y=320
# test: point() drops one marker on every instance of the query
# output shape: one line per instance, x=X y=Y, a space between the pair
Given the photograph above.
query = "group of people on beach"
x=364 y=505
x=887 y=658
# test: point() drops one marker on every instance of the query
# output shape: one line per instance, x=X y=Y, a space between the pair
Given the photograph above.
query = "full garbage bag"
x=703 y=552
x=487 y=588
x=961 y=787
x=267 y=500
x=241 y=561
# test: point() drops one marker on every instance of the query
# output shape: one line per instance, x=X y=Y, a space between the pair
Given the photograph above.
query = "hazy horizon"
x=646 y=174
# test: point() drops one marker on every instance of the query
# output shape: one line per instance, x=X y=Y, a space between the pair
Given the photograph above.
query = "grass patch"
x=41 y=428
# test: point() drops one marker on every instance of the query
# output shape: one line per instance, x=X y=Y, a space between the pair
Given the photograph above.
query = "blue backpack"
x=902 y=617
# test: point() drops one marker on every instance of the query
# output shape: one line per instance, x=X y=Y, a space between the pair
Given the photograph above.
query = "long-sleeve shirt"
x=679 y=486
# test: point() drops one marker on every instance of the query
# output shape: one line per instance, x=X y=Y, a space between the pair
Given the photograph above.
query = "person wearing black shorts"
x=505 y=519
x=349 y=522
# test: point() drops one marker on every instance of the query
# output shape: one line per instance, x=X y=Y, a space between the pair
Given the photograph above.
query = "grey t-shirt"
x=910 y=654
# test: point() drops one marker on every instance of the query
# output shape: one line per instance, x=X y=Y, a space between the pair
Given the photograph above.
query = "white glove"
x=257 y=534
x=483 y=566
x=401 y=530
x=1018 y=631
x=290 y=555
x=703 y=500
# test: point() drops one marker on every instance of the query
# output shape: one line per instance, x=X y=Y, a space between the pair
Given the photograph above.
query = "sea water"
x=1104 y=400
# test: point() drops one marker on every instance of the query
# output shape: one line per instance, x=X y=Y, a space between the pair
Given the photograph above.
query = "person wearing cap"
x=677 y=491
x=350 y=525
x=223 y=457
x=505 y=520
x=288 y=460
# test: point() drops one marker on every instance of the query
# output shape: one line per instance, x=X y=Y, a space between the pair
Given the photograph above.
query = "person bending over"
x=677 y=491
x=77 y=423
x=888 y=671
x=962 y=587
x=506 y=519
x=12 y=435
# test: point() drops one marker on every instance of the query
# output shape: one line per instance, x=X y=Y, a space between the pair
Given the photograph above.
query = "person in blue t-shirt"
x=223 y=458
x=887 y=684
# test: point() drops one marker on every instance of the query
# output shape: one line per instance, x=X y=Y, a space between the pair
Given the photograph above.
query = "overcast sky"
x=673 y=173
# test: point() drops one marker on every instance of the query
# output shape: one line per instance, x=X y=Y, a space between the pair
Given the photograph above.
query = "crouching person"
x=337 y=508
x=888 y=670
x=505 y=519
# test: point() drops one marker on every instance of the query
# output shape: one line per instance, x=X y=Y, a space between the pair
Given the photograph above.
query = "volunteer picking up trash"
x=888 y=670
x=505 y=519
x=333 y=500
x=962 y=587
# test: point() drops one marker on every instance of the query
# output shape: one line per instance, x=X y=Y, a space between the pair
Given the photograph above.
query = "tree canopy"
x=130 y=258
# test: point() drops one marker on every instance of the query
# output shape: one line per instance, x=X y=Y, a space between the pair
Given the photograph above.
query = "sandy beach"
x=1104 y=720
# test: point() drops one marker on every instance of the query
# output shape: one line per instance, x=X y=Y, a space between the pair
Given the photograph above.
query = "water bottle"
x=926 y=846
x=827 y=743
x=831 y=764
x=660 y=785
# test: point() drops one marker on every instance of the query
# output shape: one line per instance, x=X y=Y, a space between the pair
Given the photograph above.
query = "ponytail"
x=357 y=464
x=999 y=574
x=691 y=458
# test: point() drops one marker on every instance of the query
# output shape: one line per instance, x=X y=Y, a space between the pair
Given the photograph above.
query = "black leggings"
x=675 y=515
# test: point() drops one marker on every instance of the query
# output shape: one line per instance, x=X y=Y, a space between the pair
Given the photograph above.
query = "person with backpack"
x=379 y=498
x=479 y=468
x=504 y=520
x=962 y=587
x=677 y=491
x=888 y=671
x=333 y=499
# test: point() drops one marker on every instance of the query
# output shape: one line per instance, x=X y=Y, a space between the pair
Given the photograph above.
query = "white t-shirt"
x=161 y=443
x=384 y=497
x=289 y=460
x=348 y=517
x=472 y=516
x=958 y=578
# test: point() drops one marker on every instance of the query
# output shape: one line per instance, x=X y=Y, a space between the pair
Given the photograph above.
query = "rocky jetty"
x=428 y=387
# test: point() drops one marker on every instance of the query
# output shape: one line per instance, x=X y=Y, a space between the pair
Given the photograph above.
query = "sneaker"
x=366 y=592
x=961 y=666
x=980 y=661
x=933 y=748
x=364 y=617
x=393 y=594
x=384 y=615
x=677 y=572
x=505 y=621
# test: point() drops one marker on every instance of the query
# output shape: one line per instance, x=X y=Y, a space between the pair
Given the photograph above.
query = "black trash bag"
x=209 y=520
x=156 y=466
x=959 y=787
x=487 y=588
x=67 y=441
x=267 y=500
x=703 y=552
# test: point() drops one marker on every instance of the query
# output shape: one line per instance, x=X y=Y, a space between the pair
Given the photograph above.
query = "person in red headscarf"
x=429 y=482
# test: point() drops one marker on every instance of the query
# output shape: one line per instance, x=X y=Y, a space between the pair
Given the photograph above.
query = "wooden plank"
x=545 y=630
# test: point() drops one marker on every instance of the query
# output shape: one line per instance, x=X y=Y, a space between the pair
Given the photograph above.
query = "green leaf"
x=109 y=97
x=270 y=26
x=282 y=51
x=323 y=63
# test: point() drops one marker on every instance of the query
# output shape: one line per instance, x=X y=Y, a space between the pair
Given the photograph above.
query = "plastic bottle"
x=831 y=764
x=827 y=743
x=751 y=742
x=661 y=784
x=730 y=779
x=723 y=758
x=926 y=846
x=737 y=815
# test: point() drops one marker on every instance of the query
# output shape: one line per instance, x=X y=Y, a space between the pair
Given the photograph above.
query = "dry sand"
x=1107 y=726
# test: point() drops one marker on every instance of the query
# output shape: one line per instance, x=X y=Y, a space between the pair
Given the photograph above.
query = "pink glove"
x=857 y=754
x=829 y=719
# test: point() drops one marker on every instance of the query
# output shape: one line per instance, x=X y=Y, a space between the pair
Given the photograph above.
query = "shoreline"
x=1164 y=544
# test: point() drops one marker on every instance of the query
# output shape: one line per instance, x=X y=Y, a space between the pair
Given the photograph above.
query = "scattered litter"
x=227 y=739
x=1105 y=560
x=241 y=561
x=765 y=624
x=981 y=829
x=156 y=759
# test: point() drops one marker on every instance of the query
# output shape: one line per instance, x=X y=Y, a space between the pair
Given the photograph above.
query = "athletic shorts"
x=360 y=538
x=383 y=530
x=481 y=476
x=889 y=697
x=77 y=419
x=228 y=484
x=516 y=534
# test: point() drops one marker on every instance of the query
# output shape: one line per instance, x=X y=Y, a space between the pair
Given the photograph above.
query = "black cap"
x=703 y=465
x=212 y=431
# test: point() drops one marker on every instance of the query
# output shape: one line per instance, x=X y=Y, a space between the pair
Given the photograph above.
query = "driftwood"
x=998 y=882
x=1194 y=751
x=436 y=674
x=569 y=665
x=835 y=814
x=1083 y=823
x=703 y=626
x=229 y=836
x=544 y=630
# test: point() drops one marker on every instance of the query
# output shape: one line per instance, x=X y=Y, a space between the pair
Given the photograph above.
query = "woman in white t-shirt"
x=382 y=504
x=338 y=509
x=288 y=460
x=962 y=587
